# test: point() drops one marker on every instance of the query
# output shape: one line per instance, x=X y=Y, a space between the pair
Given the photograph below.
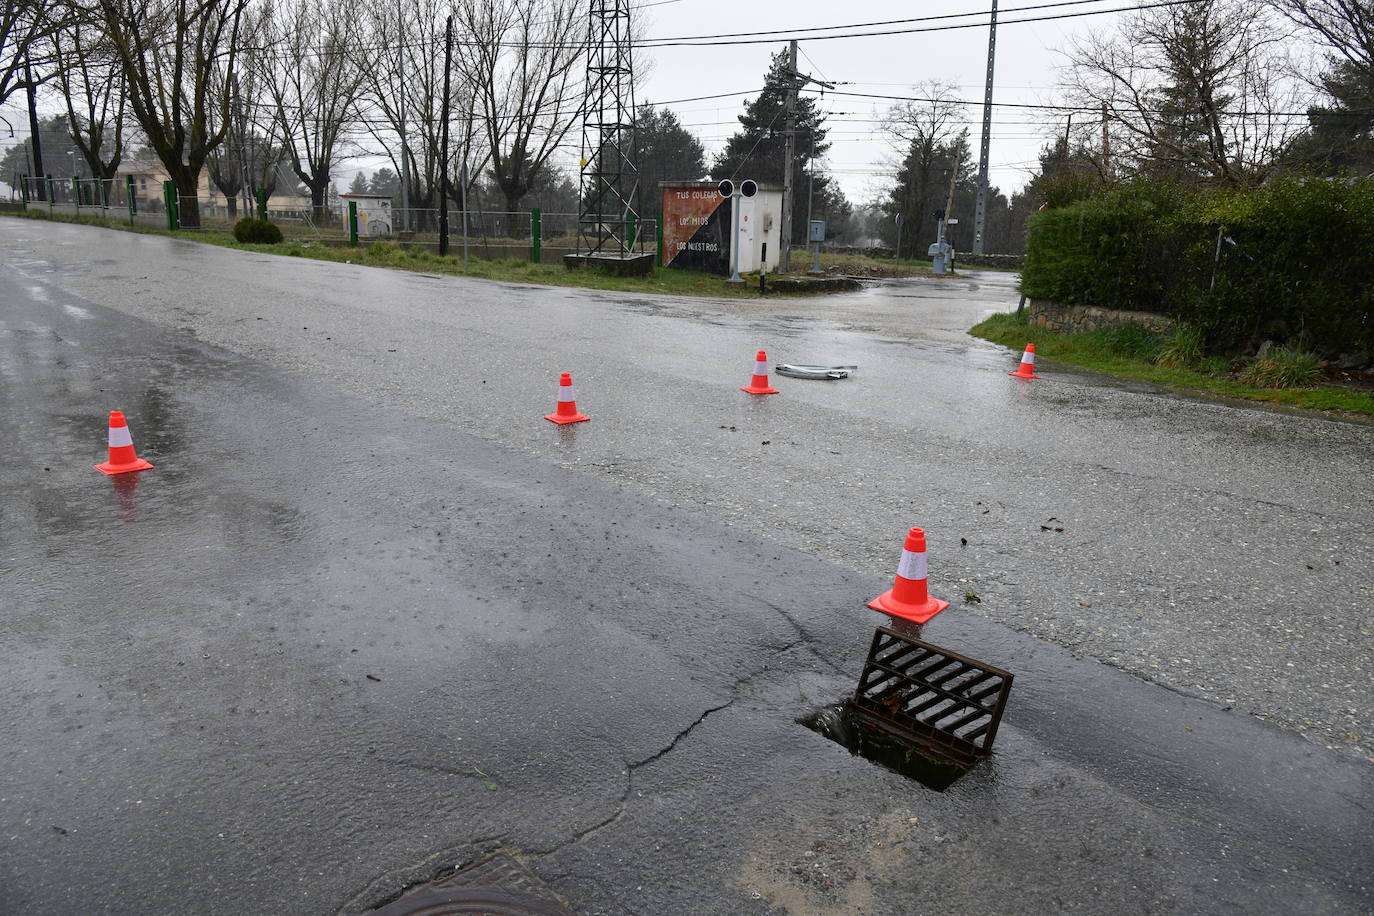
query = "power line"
x=702 y=41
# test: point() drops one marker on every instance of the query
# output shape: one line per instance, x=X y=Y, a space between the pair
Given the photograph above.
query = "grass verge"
x=1130 y=352
x=510 y=270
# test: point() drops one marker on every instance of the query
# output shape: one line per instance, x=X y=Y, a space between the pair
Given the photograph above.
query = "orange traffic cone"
x=567 y=403
x=908 y=597
x=122 y=456
x=759 y=383
x=1027 y=367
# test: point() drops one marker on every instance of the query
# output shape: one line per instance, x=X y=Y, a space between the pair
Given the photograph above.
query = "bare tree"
x=405 y=95
x=91 y=83
x=928 y=136
x=1196 y=91
x=315 y=79
x=520 y=58
x=1345 y=27
x=232 y=164
x=178 y=59
x=25 y=26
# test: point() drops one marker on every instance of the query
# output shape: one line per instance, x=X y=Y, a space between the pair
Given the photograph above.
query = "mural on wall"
x=696 y=229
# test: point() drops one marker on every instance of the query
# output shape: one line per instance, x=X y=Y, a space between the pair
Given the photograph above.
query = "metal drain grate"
x=930 y=696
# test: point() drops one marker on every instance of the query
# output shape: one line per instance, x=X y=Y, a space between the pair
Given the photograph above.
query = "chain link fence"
x=490 y=235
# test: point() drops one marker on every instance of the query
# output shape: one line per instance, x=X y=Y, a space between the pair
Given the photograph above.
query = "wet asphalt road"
x=590 y=644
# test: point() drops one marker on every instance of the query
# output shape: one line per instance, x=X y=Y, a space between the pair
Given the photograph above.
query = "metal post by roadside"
x=169 y=200
x=536 y=235
x=48 y=181
x=463 y=202
x=659 y=232
x=352 y=224
x=133 y=201
x=76 y=194
x=262 y=203
x=443 y=144
x=24 y=191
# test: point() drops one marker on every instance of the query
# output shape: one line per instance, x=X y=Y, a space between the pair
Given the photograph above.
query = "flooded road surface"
x=371 y=615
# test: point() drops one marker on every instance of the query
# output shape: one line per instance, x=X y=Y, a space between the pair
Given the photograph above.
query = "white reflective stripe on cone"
x=566 y=393
x=912 y=565
x=760 y=368
x=1028 y=357
x=119 y=437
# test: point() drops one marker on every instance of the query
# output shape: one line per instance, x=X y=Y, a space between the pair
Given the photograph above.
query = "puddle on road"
x=839 y=723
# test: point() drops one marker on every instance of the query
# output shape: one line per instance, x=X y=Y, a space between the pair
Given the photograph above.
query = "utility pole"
x=443 y=142
x=401 y=88
x=795 y=81
x=1106 y=146
x=789 y=149
x=980 y=210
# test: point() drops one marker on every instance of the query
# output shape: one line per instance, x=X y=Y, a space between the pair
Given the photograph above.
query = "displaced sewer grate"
x=919 y=710
x=498 y=885
x=944 y=700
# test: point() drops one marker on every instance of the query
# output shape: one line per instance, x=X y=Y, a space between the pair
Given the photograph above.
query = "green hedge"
x=1299 y=263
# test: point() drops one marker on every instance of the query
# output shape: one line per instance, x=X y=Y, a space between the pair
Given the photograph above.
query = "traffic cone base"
x=918 y=613
x=566 y=411
x=758 y=382
x=123 y=458
x=574 y=417
x=138 y=464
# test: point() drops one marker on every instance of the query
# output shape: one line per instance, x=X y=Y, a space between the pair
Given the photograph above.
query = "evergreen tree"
x=922 y=188
x=385 y=182
x=1340 y=134
x=359 y=185
x=664 y=151
x=757 y=150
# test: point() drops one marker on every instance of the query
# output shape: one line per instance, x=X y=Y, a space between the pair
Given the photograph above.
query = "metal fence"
x=490 y=235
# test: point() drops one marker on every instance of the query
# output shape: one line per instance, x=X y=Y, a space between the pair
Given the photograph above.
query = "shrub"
x=1131 y=340
x=1290 y=366
x=1182 y=348
x=1295 y=259
x=257 y=231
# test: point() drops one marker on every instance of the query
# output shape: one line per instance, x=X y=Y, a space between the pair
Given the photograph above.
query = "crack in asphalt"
x=803 y=632
x=631 y=767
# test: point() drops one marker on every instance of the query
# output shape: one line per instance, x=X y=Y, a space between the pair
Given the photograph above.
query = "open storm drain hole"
x=924 y=712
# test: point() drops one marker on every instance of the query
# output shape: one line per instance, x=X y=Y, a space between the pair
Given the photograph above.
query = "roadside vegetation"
x=1289 y=374
x=420 y=259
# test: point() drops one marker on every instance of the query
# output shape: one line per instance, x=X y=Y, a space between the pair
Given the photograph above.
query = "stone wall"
x=1073 y=318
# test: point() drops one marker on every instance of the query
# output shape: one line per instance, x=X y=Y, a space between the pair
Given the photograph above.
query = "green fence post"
x=24 y=191
x=536 y=236
x=660 y=241
x=353 y=224
x=631 y=230
x=262 y=203
x=133 y=202
x=48 y=181
x=169 y=200
x=76 y=194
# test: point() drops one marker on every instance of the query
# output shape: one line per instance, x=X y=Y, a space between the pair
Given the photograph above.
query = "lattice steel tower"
x=607 y=219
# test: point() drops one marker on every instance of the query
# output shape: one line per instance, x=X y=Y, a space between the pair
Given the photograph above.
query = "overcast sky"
x=860 y=157
x=887 y=65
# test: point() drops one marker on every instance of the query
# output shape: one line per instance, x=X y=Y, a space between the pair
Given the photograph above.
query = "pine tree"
x=757 y=150
x=664 y=151
x=359 y=185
